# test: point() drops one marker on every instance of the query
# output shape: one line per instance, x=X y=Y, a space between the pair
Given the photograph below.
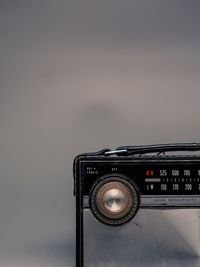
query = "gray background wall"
x=78 y=76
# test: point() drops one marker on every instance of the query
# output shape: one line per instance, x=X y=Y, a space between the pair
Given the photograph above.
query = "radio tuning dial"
x=114 y=200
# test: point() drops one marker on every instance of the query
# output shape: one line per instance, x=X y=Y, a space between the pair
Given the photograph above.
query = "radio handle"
x=131 y=150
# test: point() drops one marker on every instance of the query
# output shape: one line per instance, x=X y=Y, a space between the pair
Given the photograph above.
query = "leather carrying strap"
x=131 y=150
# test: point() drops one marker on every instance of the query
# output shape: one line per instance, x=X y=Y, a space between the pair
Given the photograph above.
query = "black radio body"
x=134 y=209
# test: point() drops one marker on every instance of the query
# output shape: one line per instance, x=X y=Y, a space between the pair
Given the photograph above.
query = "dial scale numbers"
x=173 y=181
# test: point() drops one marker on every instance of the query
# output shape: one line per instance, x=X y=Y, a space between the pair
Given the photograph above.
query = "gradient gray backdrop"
x=78 y=76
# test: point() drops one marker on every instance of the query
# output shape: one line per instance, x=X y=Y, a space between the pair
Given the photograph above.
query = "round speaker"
x=114 y=199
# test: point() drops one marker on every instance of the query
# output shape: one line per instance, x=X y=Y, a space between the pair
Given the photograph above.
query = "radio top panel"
x=160 y=180
x=152 y=177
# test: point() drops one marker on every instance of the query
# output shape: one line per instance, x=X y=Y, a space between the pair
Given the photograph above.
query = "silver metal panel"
x=170 y=200
x=158 y=200
x=154 y=238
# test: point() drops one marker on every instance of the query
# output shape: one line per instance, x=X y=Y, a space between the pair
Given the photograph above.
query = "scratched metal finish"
x=155 y=238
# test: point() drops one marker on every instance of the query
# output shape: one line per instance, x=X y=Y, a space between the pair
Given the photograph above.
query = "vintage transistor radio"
x=137 y=206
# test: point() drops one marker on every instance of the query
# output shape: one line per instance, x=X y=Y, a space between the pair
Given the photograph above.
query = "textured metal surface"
x=170 y=200
x=156 y=238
